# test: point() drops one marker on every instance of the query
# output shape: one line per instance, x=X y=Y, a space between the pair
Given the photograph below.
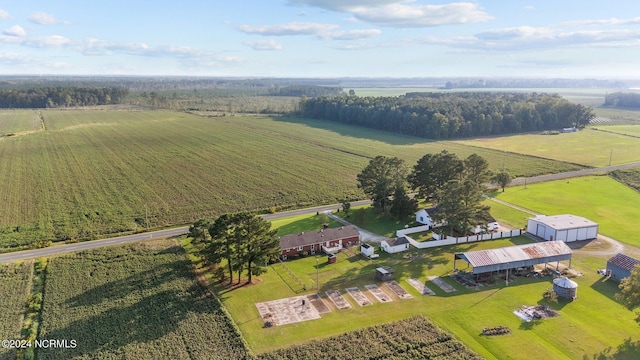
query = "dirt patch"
x=441 y=284
x=398 y=290
x=358 y=296
x=539 y=312
x=318 y=303
x=382 y=296
x=421 y=287
x=339 y=300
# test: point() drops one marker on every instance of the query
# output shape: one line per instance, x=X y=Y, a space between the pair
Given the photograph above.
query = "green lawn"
x=587 y=147
x=297 y=224
x=506 y=215
x=465 y=313
x=598 y=198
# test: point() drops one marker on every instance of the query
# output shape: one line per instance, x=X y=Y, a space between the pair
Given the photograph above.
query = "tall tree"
x=460 y=205
x=476 y=169
x=222 y=245
x=262 y=244
x=380 y=178
x=630 y=294
x=503 y=178
x=402 y=205
x=433 y=171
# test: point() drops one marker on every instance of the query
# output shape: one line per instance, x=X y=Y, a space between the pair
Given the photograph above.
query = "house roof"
x=624 y=261
x=397 y=241
x=429 y=211
x=565 y=283
x=565 y=221
x=516 y=256
x=318 y=236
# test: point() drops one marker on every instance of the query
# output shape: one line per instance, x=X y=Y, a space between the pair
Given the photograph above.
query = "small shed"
x=424 y=217
x=564 y=227
x=384 y=274
x=565 y=288
x=620 y=266
x=396 y=245
x=366 y=250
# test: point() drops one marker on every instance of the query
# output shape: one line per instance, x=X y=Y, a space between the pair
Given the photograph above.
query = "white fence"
x=438 y=241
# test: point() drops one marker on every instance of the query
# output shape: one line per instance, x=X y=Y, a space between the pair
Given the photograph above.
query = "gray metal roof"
x=565 y=221
x=516 y=256
x=624 y=261
x=401 y=240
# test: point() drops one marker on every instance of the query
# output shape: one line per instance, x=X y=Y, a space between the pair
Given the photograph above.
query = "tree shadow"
x=606 y=287
x=529 y=325
x=628 y=350
x=353 y=131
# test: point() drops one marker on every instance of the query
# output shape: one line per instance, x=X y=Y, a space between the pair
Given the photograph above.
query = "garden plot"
x=287 y=311
x=359 y=296
x=318 y=303
x=339 y=300
x=378 y=293
x=398 y=290
x=441 y=284
x=420 y=286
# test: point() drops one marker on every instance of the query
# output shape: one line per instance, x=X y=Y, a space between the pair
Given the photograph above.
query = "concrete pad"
x=358 y=296
x=421 y=287
x=287 y=310
x=378 y=293
x=339 y=300
x=398 y=290
x=441 y=284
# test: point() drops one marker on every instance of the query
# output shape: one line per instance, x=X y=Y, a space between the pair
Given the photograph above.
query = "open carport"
x=513 y=257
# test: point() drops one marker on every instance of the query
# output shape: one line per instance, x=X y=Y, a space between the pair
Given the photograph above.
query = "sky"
x=322 y=38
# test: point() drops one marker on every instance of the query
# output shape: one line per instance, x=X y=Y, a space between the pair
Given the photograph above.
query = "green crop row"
x=136 y=301
x=15 y=287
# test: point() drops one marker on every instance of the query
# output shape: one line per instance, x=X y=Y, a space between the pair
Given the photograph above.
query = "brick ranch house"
x=325 y=240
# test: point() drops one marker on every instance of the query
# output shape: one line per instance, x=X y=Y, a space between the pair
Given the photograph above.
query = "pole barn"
x=565 y=228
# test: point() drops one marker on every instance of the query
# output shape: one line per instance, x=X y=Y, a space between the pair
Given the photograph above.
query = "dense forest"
x=451 y=115
x=61 y=96
x=305 y=90
x=623 y=100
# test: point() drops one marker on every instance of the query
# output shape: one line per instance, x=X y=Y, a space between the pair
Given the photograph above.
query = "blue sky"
x=322 y=38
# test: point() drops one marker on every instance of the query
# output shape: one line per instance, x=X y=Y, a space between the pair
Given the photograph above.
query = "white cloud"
x=263 y=45
x=43 y=18
x=612 y=21
x=4 y=14
x=15 y=30
x=411 y=15
x=294 y=28
x=47 y=41
x=350 y=34
x=403 y=13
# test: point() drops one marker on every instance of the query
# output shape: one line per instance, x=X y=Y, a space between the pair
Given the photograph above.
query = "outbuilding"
x=366 y=249
x=564 y=227
x=620 y=266
x=396 y=245
x=565 y=288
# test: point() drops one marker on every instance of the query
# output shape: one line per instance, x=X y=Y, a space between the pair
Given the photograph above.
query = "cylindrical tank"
x=565 y=288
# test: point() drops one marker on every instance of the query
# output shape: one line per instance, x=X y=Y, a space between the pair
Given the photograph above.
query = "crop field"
x=137 y=301
x=631 y=130
x=15 y=287
x=18 y=121
x=587 y=147
x=93 y=172
x=414 y=338
x=602 y=199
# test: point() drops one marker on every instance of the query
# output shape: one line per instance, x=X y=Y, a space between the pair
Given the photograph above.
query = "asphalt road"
x=65 y=248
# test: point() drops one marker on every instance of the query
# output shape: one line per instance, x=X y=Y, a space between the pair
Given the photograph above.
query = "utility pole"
x=146 y=215
x=317 y=278
x=610 y=156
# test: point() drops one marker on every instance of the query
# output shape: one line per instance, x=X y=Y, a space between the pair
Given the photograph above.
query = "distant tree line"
x=305 y=90
x=50 y=97
x=451 y=115
x=625 y=100
x=512 y=83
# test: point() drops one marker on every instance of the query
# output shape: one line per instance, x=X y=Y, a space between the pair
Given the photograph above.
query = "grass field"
x=587 y=147
x=465 y=312
x=96 y=172
x=598 y=198
x=631 y=130
x=15 y=287
x=139 y=302
x=15 y=122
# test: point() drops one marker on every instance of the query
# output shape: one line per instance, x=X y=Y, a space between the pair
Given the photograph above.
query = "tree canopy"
x=452 y=115
x=380 y=179
x=630 y=294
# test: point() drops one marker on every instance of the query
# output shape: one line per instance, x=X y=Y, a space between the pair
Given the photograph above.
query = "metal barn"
x=565 y=228
x=513 y=257
x=620 y=266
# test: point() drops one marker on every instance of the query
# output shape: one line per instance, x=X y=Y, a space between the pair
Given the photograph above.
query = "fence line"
x=449 y=240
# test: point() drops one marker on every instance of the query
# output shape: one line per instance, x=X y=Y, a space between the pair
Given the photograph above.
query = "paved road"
x=65 y=248
x=572 y=174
